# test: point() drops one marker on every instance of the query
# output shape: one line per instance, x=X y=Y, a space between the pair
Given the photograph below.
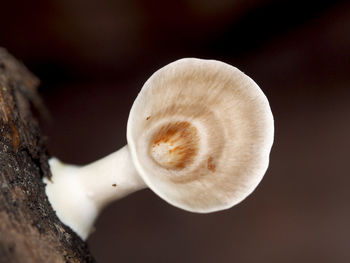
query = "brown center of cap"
x=175 y=145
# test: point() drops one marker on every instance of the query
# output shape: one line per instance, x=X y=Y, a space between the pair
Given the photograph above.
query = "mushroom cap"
x=200 y=134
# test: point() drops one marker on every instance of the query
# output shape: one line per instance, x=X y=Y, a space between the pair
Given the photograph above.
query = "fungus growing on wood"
x=199 y=135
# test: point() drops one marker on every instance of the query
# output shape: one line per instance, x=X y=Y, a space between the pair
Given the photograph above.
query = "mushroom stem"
x=111 y=178
x=78 y=194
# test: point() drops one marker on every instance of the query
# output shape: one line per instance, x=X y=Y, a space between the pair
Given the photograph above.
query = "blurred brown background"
x=93 y=57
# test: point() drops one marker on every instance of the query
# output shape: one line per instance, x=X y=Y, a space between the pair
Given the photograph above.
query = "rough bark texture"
x=29 y=228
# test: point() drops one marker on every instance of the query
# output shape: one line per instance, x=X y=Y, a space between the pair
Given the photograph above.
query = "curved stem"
x=78 y=194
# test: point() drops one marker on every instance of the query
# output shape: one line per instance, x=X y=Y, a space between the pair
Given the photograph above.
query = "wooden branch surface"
x=29 y=228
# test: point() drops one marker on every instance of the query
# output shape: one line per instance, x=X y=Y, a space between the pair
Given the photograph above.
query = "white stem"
x=78 y=194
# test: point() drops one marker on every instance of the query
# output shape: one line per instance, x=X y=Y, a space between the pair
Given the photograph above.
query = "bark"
x=29 y=228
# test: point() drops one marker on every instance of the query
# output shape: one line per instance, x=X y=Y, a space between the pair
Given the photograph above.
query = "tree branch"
x=29 y=228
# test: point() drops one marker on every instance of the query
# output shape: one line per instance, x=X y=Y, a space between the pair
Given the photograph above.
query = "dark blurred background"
x=93 y=57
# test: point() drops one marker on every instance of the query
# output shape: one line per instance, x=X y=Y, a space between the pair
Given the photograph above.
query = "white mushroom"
x=199 y=135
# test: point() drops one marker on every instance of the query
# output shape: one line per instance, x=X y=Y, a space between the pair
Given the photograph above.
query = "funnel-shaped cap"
x=200 y=134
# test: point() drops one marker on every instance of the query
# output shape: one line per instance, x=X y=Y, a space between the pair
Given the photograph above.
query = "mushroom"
x=199 y=135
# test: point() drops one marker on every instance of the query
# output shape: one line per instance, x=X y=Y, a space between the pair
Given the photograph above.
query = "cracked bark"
x=29 y=228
